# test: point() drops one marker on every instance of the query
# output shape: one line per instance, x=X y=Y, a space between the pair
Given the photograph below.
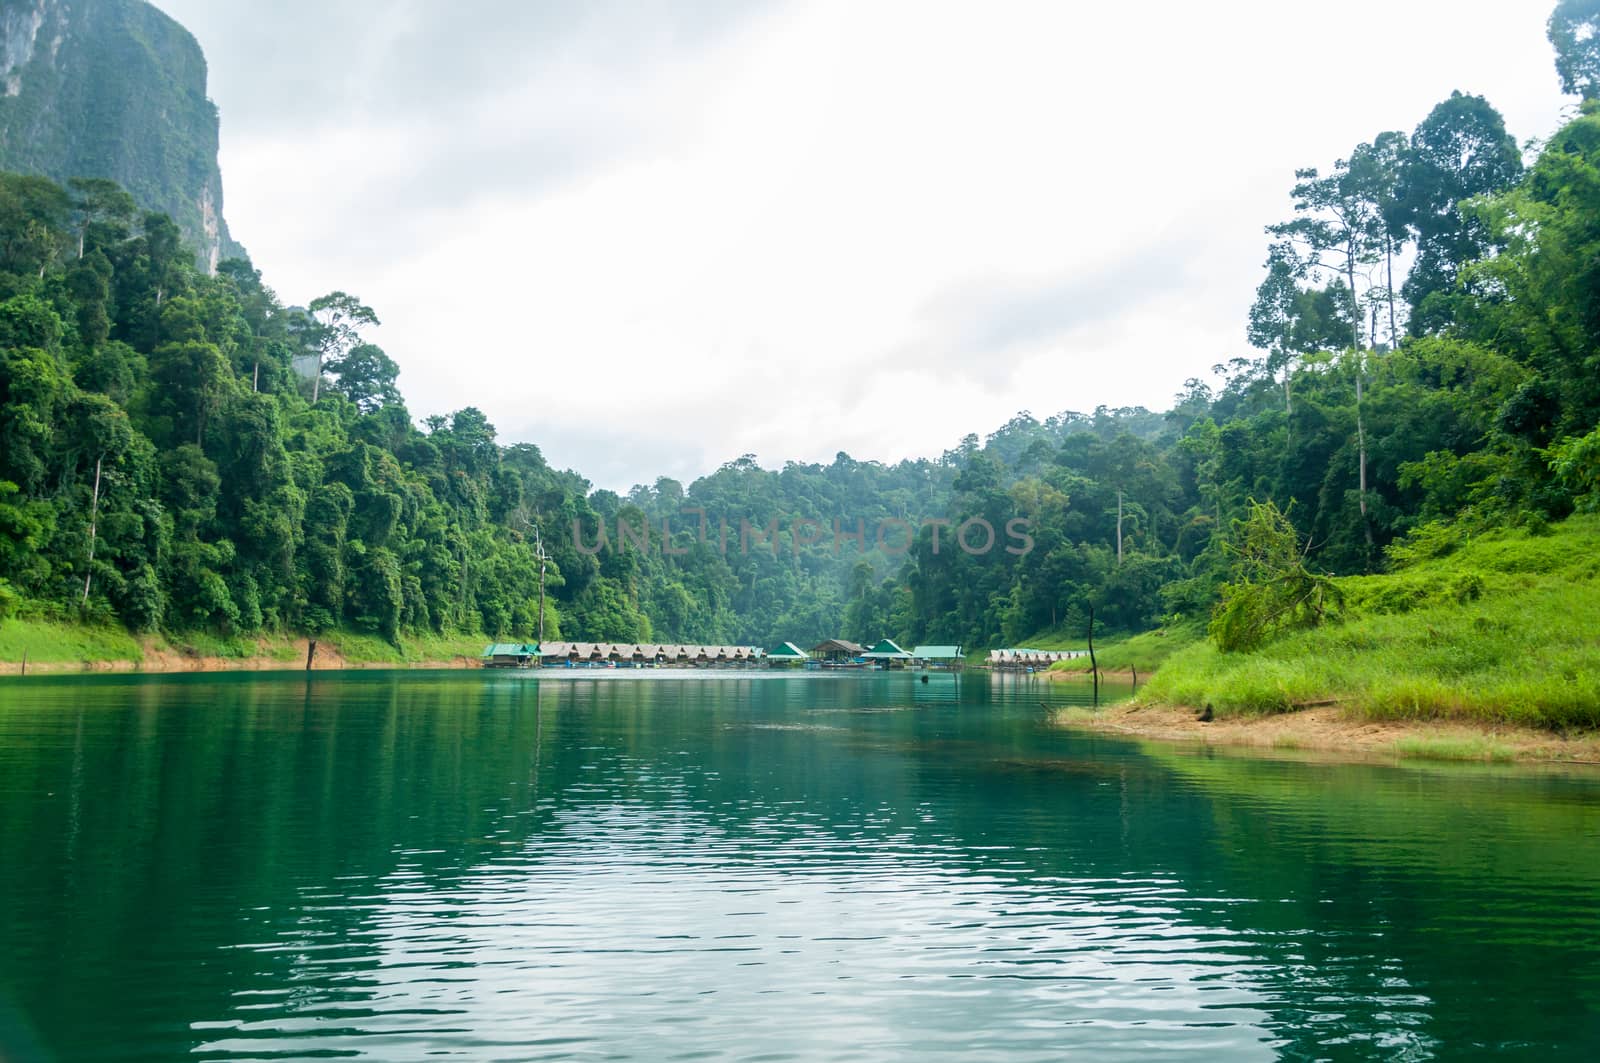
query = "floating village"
x=829 y=655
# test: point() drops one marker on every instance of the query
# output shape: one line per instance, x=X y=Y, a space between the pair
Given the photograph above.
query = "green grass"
x=1484 y=749
x=355 y=647
x=1506 y=628
x=1076 y=714
x=202 y=644
x=49 y=642
x=57 y=642
x=1146 y=652
x=370 y=649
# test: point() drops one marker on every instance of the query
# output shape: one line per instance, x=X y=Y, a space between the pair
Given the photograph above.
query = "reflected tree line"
x=218 y=823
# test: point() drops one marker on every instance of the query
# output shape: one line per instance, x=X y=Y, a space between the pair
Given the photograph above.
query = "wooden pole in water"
x=24 y=661
x=1135 y=678
x=1094 y=667
x=311 y=653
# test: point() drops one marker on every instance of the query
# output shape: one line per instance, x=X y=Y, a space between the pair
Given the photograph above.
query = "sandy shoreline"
x=1332 y=730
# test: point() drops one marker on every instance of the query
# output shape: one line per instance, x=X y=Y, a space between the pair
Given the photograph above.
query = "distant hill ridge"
x=114 y=89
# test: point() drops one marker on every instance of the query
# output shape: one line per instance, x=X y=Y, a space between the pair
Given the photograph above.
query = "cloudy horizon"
x=650 y=238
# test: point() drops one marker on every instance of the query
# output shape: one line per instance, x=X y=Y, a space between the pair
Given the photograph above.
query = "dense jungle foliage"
x=178 y=450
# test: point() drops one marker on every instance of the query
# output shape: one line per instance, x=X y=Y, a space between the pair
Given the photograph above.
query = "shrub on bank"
x=1501 y=629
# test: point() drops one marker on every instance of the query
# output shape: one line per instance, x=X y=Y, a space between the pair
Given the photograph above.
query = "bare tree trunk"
x=541 y=599
x=316 y=381
x=94 y=516
x=1119 y=527
x=1361 y=443
x=1394 y=329
x=1355 y=304
x=1361 y=432
x=1361 y=453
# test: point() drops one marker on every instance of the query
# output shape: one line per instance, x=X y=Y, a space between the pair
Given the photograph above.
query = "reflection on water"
x=843 y=867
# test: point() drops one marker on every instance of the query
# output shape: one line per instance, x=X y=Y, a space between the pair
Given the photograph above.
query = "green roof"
x=788 y=649
x=510 y=649
x=886 y=648
x=937 y=653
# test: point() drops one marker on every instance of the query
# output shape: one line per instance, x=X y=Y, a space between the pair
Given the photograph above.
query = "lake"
x=399 y=866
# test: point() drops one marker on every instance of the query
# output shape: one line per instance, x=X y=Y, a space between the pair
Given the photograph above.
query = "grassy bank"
x=52 y=646
x=1504 y=628
x=1146 y=651
x=47 y=643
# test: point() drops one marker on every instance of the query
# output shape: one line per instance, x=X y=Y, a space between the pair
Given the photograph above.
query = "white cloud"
x=660 y=237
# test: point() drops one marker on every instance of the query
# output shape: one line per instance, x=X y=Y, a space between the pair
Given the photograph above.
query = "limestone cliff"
x=114 y=88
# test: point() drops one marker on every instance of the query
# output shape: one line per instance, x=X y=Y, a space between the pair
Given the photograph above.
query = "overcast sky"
x=653 y=236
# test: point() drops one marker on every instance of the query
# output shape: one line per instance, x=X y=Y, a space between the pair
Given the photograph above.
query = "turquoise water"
x=400 y=866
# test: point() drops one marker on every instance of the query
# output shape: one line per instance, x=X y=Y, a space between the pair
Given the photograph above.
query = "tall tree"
x=339 y=319
x=1289 y=319
x=1340 y=227
x=1574 y=30
x=104 y=212
x=1334 y=230
x=366 y=376
x=1460 y=151
x=1374 y=175
x=193 y=381
x=33 y=213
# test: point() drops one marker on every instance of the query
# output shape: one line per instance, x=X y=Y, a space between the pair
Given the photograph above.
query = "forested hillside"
x=174 y=458
x=1380 y=403
x=181 y=451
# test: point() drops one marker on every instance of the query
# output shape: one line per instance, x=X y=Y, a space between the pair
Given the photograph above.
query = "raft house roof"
x=788 y=651
x=937 y=653
x=886 y=650
x=509 y=649
x=637 y=650
x=1034 y=656
x=839 y=646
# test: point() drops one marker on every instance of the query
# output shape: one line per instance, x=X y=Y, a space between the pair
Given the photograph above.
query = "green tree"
x=103 y=211
x=339 y=318
x=193 y=380
x=1270 y=591
x=1290 y=320
x=33 y=223
x=1460 y=151
x=1374 y=175
x=366 y=376
x=1574 y=31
